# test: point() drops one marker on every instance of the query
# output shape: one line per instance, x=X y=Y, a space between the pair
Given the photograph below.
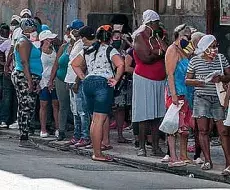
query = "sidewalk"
x=126 y=154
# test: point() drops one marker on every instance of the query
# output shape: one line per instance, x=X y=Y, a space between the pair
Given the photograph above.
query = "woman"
x=149 y=80
x=48 y=58
x=59 y=71
x=206 y=102
x=26 y=77
x=98 y=85
x=176 y=60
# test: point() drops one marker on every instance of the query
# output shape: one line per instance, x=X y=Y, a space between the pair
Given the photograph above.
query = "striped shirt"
x=202 y=68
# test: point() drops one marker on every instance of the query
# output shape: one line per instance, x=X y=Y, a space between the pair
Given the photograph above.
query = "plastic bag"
x=227 y=121
x=170 y=123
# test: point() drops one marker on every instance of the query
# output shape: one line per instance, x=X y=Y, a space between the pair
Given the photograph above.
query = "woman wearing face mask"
x=48 y=58
x=206 y=102
x=176 y=60
x=59 y=71
x=26 y=77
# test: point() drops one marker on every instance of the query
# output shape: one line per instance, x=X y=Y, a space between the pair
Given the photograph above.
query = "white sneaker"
x=3 y=125
x=166 y=158
x=56 y=133
x=198 y=161
x=43 y=135
x=14 y=126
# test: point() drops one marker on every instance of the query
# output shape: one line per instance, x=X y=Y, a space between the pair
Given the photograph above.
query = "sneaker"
x=166 y=158
x=82 y=143
x=56 y=133
x=198 y=161
x=3 y=125
x=43 y=135
x=73 y=141
x=28 y=144
x=61 y=136
x=14 y=126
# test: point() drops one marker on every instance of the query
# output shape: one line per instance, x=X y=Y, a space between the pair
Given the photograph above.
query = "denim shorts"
x=99 y=95
x=46 y=95
x=208 y=106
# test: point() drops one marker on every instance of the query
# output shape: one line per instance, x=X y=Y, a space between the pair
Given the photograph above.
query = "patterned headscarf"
x=27 y=23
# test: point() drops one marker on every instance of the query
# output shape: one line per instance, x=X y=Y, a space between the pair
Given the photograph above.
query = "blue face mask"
x=184 y=43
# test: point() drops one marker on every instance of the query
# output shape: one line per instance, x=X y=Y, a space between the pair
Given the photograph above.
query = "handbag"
x=221 y=92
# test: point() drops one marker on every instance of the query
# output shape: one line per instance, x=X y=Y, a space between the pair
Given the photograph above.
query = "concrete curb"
x=129 y=161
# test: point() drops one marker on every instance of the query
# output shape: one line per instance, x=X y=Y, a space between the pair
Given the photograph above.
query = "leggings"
x=26 y=100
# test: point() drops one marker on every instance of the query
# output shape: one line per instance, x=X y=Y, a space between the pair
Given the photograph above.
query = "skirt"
x=148 y=100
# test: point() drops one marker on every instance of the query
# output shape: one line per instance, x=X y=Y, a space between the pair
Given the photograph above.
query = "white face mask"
x=33 y=36
x=12 y=28
x=67 y=39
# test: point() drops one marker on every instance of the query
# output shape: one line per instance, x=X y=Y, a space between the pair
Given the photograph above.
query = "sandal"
x=206 y=166
x=106 y=147
x=141 y=152
x=226 y=171
x=176 y=164
x=102 y=158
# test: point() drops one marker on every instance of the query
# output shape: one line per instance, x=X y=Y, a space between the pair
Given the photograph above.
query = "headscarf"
x=204 y=43
x=27 y=23
x=148 y=16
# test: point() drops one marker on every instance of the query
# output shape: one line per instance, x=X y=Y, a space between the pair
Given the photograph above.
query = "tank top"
x=35 y=64
x=63 y=64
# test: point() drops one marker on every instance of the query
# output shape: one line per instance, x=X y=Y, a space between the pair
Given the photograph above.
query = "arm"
x=190 y=81
x=77 y=65
x=55 y=67
x=9 y=60
x=144 y=52
x=120 y=65
x=171 y=59
x=226 y=78
x=128 y=63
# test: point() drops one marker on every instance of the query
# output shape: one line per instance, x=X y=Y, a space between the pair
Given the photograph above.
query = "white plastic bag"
x=170 y=123
x=227 y=121
x=221 y=92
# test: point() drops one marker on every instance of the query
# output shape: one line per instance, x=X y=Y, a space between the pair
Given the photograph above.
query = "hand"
x=30 y=86
x=7 y=70
x=112 y=82
x=38 y=89
x=216 y=79
x=175 y=100
x=50 y=85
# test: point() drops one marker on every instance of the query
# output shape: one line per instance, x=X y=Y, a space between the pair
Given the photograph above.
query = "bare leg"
x=203 y=127
x=183 y=146
x=106 y=129
x=43 y=115
x=172 y=147
x=96 y=133
x=224 y=133
x=55 y=105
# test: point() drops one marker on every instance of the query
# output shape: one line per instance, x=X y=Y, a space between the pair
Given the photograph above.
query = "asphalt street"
x=49 y=169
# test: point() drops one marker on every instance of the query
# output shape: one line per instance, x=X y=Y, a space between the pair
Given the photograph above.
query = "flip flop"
x=206 y=166
x=176 y=164
x=103 y=159
x=226 y=171
x=106 y=147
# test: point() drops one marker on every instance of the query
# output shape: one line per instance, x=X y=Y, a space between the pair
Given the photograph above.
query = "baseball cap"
x=16 y=17
x=46 y=34
x=25 y=11
x=87 y=32
x=45 y=27
x=76 y=24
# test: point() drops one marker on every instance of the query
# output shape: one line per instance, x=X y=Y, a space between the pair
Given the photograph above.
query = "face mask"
x=116 y=44
x=184 y=43
x=189 y=49
x=33 y=36
x=66 y=38
x=212 y=53
x=12 y=28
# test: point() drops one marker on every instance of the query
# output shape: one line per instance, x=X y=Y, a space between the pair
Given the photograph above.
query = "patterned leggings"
x=26 y=100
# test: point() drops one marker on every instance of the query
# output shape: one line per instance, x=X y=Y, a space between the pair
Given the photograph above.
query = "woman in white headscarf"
x=206 y=102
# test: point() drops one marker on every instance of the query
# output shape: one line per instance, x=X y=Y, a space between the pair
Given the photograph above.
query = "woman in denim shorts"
x=98 y=84
x=206 y=102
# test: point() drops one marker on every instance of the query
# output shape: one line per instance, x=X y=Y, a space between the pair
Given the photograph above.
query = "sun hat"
x=46 y=34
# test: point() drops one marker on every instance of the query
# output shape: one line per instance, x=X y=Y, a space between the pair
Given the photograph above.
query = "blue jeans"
x=82 y=118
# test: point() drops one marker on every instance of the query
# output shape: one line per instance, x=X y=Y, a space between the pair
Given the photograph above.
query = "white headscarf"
x=204 y=43
x=148 y=16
